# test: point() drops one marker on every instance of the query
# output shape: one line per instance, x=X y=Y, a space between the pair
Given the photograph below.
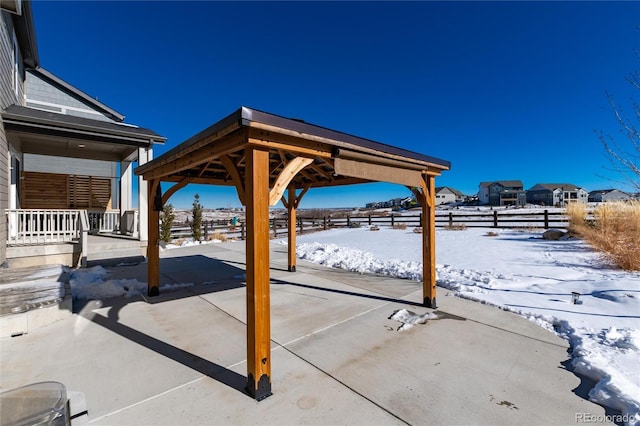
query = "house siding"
x=42 y=95
x=8 y=97
x=540 y=197
x=69 y=166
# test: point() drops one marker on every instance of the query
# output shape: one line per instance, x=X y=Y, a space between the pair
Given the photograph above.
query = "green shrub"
x=166 y=222
x=196 y=224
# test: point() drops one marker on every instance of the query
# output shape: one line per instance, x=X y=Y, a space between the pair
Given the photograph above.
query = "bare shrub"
x=218 y=236
x=614 y=231
x=491 y=234
x=456 y=227
x=374 y=228
x=401 y=226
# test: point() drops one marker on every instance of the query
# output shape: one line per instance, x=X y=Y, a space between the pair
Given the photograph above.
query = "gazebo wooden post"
x=428 y=242
x=257 y=243
x=153 y=250
x=291 y=234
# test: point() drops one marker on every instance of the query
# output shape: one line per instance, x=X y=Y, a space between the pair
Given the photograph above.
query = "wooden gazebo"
x=263 y=155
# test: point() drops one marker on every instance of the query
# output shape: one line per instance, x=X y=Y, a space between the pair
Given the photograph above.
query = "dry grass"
x=217 y=236
x=613 y=229
x=456 y=227
x=401 y=226
x=491 y=234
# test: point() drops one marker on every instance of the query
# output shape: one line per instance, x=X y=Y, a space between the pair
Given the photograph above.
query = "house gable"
x=47 y=92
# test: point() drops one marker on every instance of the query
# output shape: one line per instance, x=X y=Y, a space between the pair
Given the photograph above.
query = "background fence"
x=491 y=219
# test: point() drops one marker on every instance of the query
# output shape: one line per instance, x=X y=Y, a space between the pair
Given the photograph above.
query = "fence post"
x=495 y=218
x=348 y=221
x=324 y=223
x=546 y=219
x=242 y=234
x=300 y=224
x=420 y=218
x=369 y=219
x=450 y=220
x=392 y=220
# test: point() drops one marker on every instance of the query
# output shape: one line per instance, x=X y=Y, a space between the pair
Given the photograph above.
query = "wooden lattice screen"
x=60 y=191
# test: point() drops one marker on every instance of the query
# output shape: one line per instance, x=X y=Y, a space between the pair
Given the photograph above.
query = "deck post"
x=258 y=314
x=153 y=250
x=291 y=234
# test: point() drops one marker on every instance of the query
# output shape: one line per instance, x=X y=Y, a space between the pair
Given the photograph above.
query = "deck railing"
x=43 y=226
x=31 y=226
x=101 y=221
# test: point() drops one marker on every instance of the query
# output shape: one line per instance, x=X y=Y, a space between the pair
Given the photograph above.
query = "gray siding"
x=7 y=97
x=69 y=166
x=42 y=95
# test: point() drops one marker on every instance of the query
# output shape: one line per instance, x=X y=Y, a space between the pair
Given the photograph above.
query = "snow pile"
x=93 y=284
x=609 y=357
x=335 y=256
x=520 y=272
x=409 y=319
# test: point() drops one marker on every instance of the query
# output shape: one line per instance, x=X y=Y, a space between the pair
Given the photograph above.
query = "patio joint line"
x=119 y=410
x=283 y=346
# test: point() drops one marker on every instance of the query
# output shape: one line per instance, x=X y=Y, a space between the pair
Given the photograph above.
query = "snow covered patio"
x=180 y=358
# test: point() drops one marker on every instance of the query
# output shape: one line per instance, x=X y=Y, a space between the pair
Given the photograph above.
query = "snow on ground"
x=520 y=272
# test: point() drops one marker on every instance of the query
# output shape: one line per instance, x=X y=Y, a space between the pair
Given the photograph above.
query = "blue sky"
x=503 y=90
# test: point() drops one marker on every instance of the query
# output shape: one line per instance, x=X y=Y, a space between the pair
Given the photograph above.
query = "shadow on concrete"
x=207 y=275
x=210 y=369
x=193 y=275
x=347 y=293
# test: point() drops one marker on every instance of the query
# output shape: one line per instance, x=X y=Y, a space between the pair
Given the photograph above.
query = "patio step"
x=112 y=251
x=32 y=297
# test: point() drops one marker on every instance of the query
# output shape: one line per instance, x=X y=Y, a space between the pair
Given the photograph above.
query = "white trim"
x=15 y=65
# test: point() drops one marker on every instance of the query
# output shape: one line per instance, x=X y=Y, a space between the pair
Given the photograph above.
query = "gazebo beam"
x=292 y=168
x=257 y=252
x=234 y=173
x=184 y=182
x=377 y=172
x=193 y=159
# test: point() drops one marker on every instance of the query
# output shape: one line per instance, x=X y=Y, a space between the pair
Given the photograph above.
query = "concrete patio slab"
x=179 y=358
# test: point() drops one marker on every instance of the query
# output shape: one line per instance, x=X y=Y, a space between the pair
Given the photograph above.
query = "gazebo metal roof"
x=205 y=157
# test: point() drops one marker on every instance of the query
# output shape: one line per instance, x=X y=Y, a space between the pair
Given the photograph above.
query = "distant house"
x=605 y=195
x=395 y=203
x=66 y=159
x=556 y=194
x=502 y=193
x=445 y=195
